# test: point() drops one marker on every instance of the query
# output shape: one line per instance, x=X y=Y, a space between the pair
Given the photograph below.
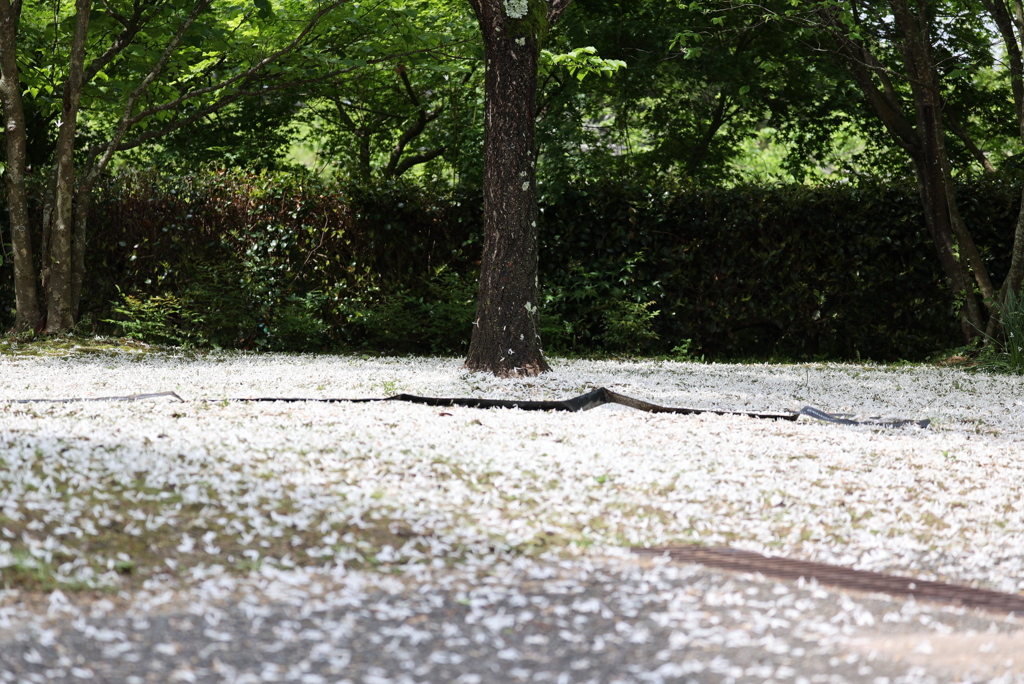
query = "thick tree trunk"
x=25 y=293
x=49 y=197
x=506 y=336
x=59 y=305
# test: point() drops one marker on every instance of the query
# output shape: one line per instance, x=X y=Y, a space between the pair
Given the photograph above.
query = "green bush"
x=282 y=261
x=159 y=319
x=628 y=326
x=601 y=306
x=436 y=318
x=793 y=271
x=1006 y=353
x=289 y=262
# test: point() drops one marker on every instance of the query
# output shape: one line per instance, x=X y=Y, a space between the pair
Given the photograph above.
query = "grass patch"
x=120 y=538
x=71 y=345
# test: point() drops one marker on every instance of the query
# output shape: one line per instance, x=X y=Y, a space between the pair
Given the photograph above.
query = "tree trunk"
x=1010 y=21
x=940 y=213
x=1015 y=277
x=83 y=198
x=59 y=308
x=933 y=168
x=25 y=294
x=506 y=336
x=46 y=229
x=923 y=138
x=931 y=187
x=942 y=216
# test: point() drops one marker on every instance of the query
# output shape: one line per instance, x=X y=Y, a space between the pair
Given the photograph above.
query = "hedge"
x=281 y=261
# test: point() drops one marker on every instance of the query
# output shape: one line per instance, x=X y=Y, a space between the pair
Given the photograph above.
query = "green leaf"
x=582 y=61
x=264 y=10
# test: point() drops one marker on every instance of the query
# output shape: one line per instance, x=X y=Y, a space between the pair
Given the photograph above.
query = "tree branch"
x=415 y=159
x=124 y=124
x=887 y=109
x=1004 y=21
x=555 y=10
x=175 y=104
x=123 y=40
x=344 y=116
x=1018 y=15
x=408 y=135
x=210 y=109
x=121 y=19
x=408 y=85
x=718 y=117
x=961 y=133
x=118 y=144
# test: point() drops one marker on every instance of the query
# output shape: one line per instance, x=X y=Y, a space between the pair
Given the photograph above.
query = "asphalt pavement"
x=600 y=621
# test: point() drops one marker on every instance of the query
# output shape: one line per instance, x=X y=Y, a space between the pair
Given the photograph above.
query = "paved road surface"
x=604 y=621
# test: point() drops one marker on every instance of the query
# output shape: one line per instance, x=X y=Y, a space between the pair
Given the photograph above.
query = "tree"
x=186 y=61
x=27 y=298
x=680 y=110
x=924 y=71
x=506 y=335
x=399 y=104
x=1009 y=18
x=914 y=114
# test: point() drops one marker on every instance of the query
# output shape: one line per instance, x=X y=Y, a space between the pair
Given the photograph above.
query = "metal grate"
x=844 y=578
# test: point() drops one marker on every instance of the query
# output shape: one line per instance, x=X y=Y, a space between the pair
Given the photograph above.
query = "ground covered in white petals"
x=98 y=493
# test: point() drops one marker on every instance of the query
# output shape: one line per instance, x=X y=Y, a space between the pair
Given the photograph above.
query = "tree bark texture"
x=59 y=304
x=83 y=200
x=506 y=335
x=26 y=296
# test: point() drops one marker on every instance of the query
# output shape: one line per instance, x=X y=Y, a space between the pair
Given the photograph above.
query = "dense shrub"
x=276 y=261
x=840 y=272
x=273 y=261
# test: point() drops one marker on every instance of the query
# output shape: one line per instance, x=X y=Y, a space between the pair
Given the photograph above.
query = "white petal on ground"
x=938 y=503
